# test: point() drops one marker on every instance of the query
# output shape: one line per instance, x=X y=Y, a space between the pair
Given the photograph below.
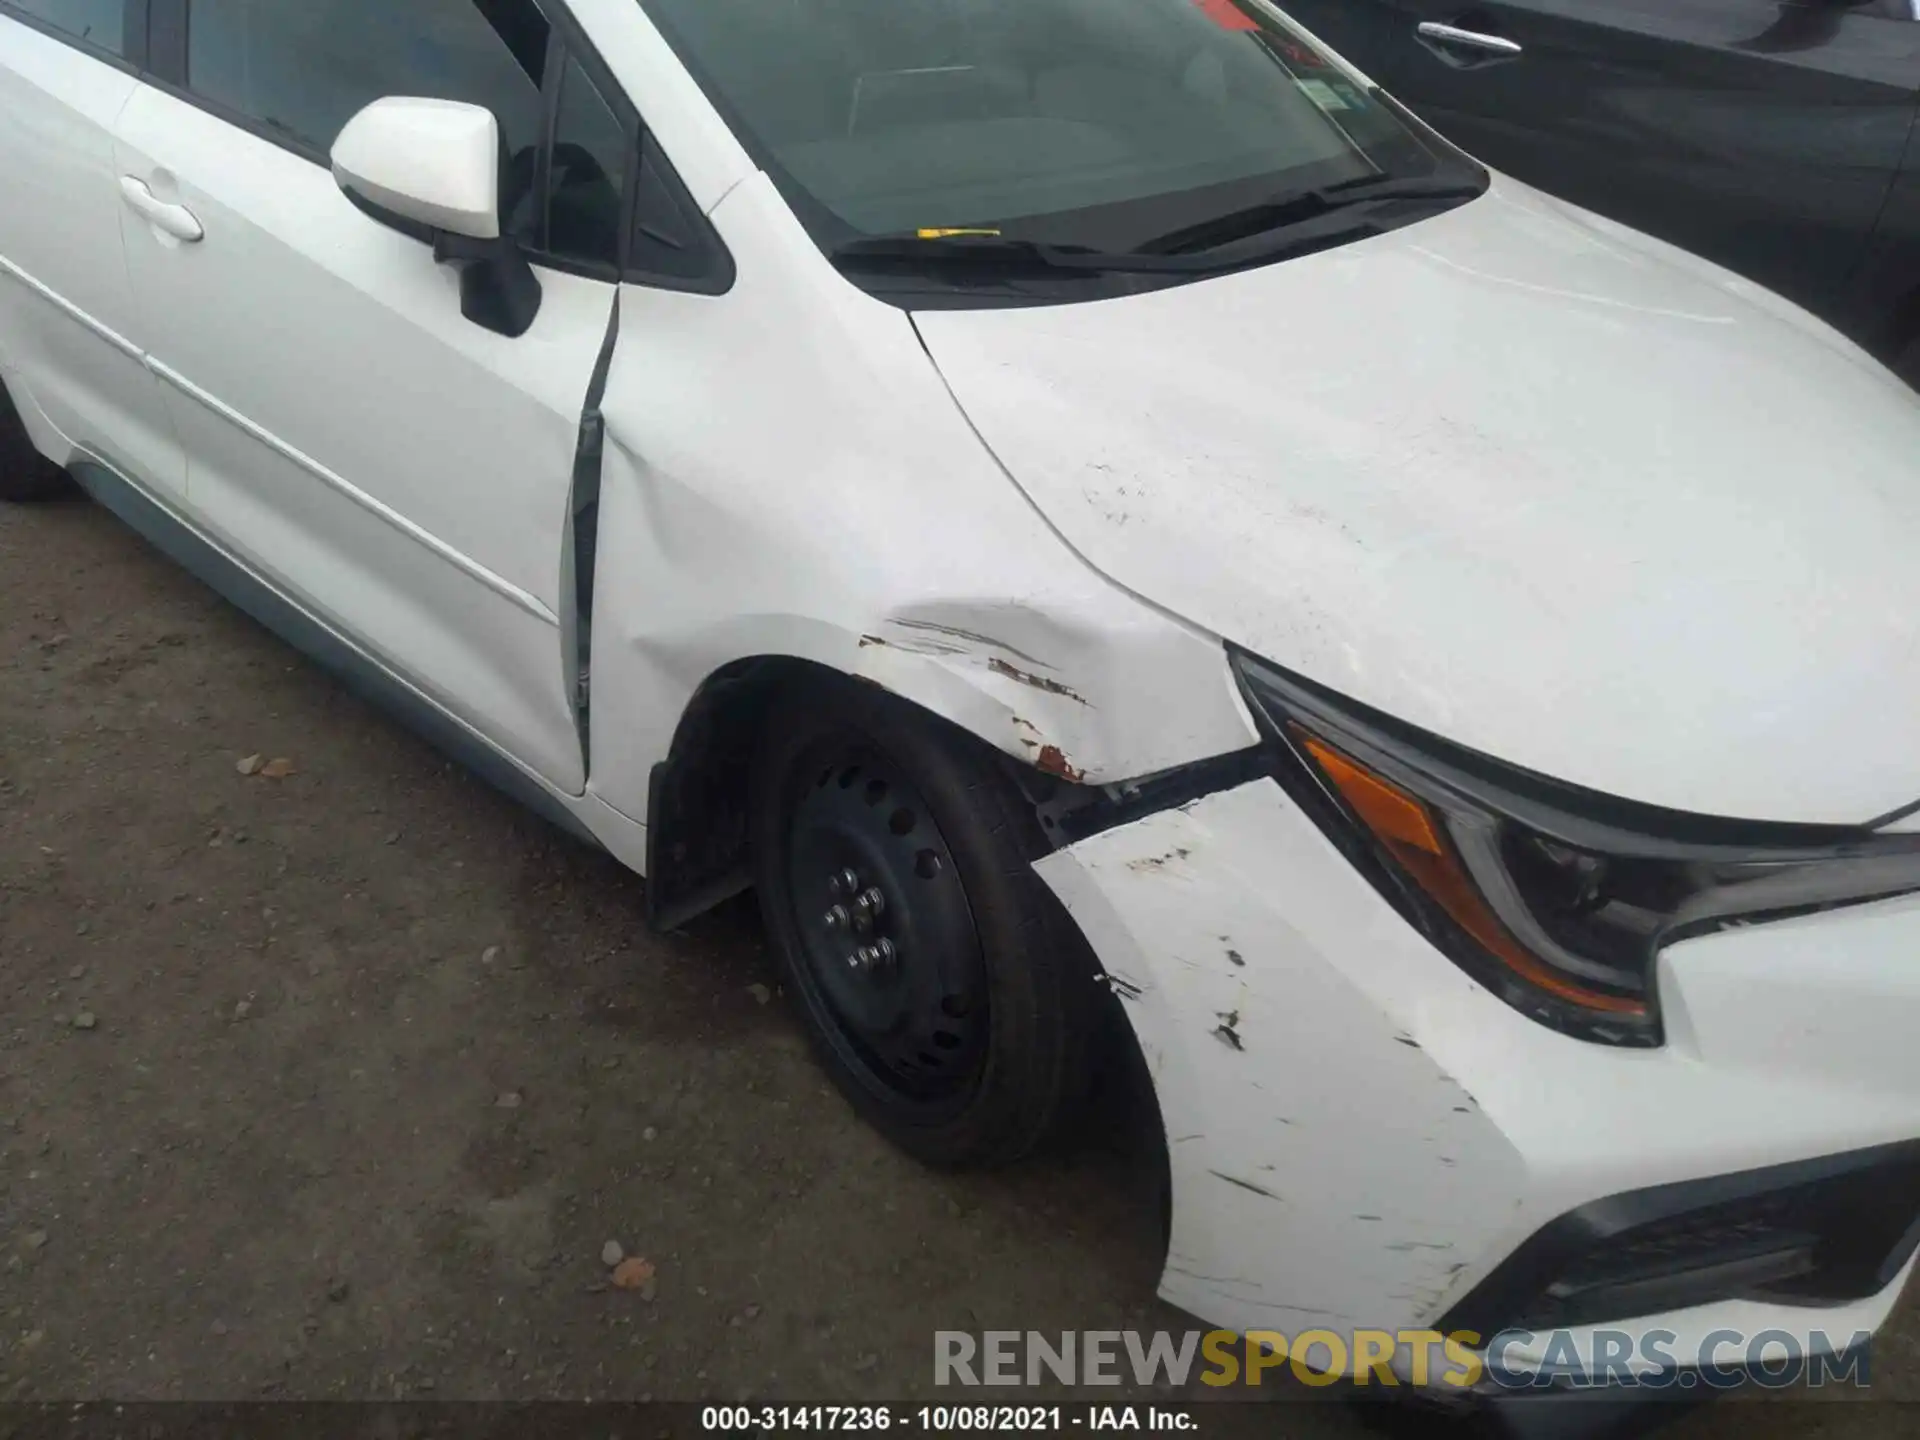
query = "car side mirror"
x=431 y=169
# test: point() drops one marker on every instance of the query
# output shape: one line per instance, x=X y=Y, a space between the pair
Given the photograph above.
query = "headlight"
x=1558 y=899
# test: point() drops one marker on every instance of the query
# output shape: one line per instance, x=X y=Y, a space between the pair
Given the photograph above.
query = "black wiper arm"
x=1300 y=206
x=991 y=252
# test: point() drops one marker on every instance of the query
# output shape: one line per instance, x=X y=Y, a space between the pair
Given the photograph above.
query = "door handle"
x=1466 y=39
x=174 y=220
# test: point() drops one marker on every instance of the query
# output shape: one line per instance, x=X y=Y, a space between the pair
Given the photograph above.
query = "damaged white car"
x=1069 y=498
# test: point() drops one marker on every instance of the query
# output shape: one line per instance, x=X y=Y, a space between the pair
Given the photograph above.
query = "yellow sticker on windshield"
x=1324 y=95
x=943 y=233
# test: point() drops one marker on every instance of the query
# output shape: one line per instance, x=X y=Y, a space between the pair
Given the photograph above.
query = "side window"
x=667 y=239
x=587 y=193
x=304 y=69
x=98 y=22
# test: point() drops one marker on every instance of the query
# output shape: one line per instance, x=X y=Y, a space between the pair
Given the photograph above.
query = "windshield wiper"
x=1265 y=216
x=998 y=252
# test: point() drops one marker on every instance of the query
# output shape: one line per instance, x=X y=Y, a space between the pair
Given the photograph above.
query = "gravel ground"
x=338 y=1084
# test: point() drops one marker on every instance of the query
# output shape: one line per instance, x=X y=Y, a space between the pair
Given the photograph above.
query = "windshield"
x=1103 y=124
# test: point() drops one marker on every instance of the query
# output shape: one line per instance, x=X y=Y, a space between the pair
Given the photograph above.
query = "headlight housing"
x=1558 y=899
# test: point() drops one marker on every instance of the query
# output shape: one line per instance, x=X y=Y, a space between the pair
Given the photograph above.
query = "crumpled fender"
x=853 y=519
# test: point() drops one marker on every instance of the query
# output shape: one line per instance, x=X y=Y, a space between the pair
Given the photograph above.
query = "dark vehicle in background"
x=1774 y=138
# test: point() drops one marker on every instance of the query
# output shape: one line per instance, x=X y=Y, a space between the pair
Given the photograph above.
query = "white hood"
x=1514 y=474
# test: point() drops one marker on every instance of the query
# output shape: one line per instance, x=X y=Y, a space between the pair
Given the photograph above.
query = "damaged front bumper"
x=1362 y=1137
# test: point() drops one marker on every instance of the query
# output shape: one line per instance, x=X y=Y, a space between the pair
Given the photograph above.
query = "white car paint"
x=1359 y=1133
x=1516 y=475
x=429 y=528
x=1510 y=473
x=66 y=309
x=436 y=162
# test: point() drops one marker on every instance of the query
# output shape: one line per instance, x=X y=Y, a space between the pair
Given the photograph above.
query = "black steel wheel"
x=891 y=955
x=945 y=992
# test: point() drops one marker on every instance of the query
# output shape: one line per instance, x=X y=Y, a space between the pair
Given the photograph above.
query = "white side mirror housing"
x=433 y=162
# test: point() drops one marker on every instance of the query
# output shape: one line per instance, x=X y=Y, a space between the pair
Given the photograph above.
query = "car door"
x=400 y=471
x=67 y=68
x=1760 y=134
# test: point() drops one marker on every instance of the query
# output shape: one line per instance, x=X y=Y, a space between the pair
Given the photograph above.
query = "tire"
x=25 y=474
x=972 y=1042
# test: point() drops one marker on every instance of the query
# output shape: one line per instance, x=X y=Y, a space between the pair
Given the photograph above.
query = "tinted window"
x=303 y=69
x=1106 y=123
x=98 y=22
x=590 y=149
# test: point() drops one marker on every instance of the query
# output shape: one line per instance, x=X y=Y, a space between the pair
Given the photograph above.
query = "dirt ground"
x=337 y=1085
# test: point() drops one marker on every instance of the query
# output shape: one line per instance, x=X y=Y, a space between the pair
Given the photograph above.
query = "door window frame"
x=132 y=55
x=162 y=27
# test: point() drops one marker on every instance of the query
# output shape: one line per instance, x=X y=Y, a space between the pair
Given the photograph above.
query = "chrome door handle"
x=174 y=220
x=1466 y=39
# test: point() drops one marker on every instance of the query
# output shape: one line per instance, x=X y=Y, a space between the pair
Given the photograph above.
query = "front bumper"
x=1361 y=1136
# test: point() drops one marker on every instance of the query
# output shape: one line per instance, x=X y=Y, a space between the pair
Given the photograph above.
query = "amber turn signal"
x=1408 y=831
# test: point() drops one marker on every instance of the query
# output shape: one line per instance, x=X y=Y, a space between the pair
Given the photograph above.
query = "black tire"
x=973 y=1043
x=25 y=474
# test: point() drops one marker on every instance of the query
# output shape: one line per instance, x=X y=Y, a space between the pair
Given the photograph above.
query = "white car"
x=1070 y=499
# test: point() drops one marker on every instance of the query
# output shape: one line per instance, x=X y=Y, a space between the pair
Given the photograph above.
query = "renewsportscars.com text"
x=1462 y=1359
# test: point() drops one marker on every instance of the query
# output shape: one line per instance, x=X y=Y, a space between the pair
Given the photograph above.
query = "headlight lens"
x=1559 y=900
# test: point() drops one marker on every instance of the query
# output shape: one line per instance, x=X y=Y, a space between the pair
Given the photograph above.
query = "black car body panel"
x=1774 y=138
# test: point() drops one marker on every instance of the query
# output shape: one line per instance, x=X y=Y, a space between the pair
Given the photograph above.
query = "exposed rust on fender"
x=1054 y=761
x=971 y=636
x=1038 y=682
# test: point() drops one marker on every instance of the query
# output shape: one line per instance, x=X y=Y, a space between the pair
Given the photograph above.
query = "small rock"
x=251 y=765
x=243 y=1010
x=649 y=1133
x=36 y=1240
x=490 y=954
x=85 y=1020
x=77 y=973
x=633 y=1273
x=508 y=1100
x=760 y=993
x=753 y=1312
x=338 y=1291
x=278 y=769
x=393 y=838
x=866 y=1363
x=219 y=1327
x=611 y=1253
x=81 y=928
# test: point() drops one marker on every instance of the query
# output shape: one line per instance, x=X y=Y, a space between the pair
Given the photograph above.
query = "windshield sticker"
x=935 y=232
x=1325 y=96
x=1227 y=15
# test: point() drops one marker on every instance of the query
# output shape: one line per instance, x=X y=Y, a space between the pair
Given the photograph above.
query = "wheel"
x=945 y=990
x=25 y=474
